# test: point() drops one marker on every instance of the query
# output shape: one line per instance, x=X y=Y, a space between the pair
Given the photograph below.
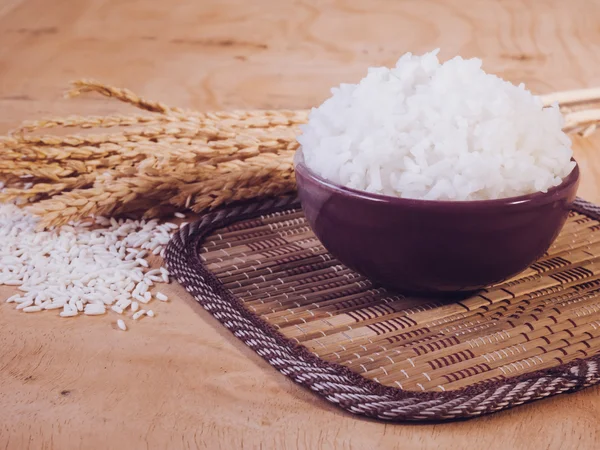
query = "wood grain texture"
x=181 y=380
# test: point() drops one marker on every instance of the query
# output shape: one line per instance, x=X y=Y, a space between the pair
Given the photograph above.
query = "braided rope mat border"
x=336 y=383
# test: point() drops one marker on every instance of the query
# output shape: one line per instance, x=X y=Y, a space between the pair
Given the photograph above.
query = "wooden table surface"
x=181 y=380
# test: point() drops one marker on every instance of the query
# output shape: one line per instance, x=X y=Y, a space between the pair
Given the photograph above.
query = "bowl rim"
x=539 y=197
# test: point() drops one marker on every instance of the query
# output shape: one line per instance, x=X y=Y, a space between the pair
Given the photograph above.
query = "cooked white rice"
x=436 y=131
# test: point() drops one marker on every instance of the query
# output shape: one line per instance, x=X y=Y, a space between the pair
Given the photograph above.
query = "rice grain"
x=79 y=267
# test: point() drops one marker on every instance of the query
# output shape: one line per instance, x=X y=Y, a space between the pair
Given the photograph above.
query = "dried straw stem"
x=125 y=95
x=243 y=119
x=581 y=118
x=569 y=98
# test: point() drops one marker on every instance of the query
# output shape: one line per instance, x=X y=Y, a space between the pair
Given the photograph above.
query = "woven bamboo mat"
x=260 y=270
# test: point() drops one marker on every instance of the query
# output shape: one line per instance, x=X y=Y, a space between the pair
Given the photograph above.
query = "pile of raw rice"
x=436 y=131
x=84 y=267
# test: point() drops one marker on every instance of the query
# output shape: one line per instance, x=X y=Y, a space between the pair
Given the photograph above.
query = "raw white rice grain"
x=12 y=299
x=24 y=304
x=94 y=310
x=162 y=297
x=79 y=267
x=121 y=325
x=54 y=306
x=150 y=313
x=137 y=276
x=139 y=314
x=124 y=304
x=141 y=288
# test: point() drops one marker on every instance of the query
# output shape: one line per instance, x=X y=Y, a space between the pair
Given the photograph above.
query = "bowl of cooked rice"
x=435 y=178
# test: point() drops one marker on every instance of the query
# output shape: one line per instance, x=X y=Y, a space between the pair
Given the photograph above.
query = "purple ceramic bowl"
x=428 y=247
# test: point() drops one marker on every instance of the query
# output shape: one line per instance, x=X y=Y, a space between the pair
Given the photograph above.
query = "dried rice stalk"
x=84 y=122
x=47 y=189
x=171 y=159
x=124 y=95
x=208 y=186
x=242 y=119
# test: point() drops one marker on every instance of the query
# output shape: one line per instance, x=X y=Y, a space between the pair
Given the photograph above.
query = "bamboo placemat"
x=259 y=269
